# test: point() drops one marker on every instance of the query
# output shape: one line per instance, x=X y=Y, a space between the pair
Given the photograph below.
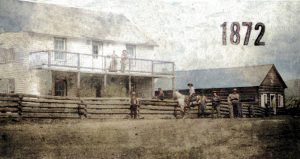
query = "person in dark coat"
x=216 y=100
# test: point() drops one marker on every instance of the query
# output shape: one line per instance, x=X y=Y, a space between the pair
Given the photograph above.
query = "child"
x=133 y=106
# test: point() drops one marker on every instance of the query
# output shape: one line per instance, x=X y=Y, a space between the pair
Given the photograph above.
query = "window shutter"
x=262 y=100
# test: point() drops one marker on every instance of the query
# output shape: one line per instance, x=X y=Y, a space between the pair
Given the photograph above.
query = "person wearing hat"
x=201 y=100
x=234 y=102
x=191 y=91
x=133 y=105
x=216 y=100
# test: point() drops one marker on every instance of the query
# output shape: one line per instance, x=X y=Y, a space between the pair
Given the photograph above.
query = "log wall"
x=23 y=106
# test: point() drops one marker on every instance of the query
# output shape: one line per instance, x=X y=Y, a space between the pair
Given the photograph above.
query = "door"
x=98 y=90
x=60 y=88
x=273 y=102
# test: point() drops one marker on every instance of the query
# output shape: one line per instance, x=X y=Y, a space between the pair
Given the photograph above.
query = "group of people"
x=197 y=100
x=114 y=63
x=233 y=101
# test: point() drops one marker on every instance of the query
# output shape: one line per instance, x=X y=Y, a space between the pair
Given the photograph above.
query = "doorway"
x=273 y=102
x=60 y=88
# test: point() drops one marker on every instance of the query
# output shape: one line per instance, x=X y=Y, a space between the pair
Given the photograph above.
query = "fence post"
x=20 y=107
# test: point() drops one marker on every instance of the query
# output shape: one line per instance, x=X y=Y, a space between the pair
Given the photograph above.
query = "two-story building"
x=53 y=50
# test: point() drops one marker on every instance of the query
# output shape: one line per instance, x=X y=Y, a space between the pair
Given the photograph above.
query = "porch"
x=91 y=75
x=70 y=61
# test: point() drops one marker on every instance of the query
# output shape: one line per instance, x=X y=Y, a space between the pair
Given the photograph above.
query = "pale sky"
x=189 y=33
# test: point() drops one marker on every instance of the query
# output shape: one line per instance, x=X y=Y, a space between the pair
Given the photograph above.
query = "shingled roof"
x=248 y=76
x=16 y=16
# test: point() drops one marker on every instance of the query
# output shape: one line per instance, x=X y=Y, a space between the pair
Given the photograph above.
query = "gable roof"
x=248 y=76
x=16 y=16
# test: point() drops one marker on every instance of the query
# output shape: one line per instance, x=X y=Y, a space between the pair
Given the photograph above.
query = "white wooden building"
x=53 y=50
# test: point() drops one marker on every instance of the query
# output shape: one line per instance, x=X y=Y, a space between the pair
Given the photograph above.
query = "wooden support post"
x=173 y=85
x=78 y=84
x=129 y=86
x=152 y=87
x=105 y=81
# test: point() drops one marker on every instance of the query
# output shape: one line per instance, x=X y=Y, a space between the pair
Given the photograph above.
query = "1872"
x=235 y=36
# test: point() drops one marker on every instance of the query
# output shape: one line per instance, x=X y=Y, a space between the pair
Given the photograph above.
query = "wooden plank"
x=9 y=109
x=9 y=104
x=106 y=102
x=108 y=111
x=9 y=95
x=52 y=101
x=102 y=99
x=150 y=107
x=9 y=99
x=48 y=105
x=108 y=116
x=9 y=115
x=158 y=116
x=50 y=115
x=49 y=110
x=30 y=96
x=160 y=104
x=155 y=100
x=108 y=106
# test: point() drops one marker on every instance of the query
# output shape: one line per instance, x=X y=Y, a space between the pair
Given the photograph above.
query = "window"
x=131 y=54
x=6 y=55
x=7 y=85
x=131 y=51
x=263 y=100
x=60 y=48
x=96 y=48
x=280 y=100
x=60 y=88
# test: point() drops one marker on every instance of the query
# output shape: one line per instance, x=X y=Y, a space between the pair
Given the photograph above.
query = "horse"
x=184 y=102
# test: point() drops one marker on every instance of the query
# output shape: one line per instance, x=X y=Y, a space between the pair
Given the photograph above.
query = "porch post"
x=105 y=81
x=129 y=85
x=152 y=87
x=78 y=84
x=173 y=85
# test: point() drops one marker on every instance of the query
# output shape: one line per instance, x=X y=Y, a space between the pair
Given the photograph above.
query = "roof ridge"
x=236 y=67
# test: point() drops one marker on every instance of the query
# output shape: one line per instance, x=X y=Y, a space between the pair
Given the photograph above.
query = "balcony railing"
x=97 y=63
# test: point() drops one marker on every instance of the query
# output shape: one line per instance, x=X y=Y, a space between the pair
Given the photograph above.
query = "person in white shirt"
x=191 y=91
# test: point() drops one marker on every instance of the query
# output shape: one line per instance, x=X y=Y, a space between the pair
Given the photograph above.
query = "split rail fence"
x=24 y=106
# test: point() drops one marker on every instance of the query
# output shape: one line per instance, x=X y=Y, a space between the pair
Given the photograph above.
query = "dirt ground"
x=181 y=138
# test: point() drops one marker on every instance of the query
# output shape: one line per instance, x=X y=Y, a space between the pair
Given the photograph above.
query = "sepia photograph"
x=149 y=79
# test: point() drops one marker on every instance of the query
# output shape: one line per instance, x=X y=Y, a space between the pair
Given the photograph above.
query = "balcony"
x=68 y=61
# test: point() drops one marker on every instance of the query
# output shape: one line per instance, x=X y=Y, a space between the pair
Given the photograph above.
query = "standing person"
x=124 y=59
x=113 y=63
x=133 y=105
x=216 y=100
x=161 y=94
x=191 y=92
x=202 y=105
x=234 y=102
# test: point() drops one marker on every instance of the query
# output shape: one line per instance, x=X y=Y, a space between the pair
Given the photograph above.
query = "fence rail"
x=22 y=106
x=98 y=63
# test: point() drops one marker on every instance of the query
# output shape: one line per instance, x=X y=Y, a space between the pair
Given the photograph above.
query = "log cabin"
x=47 y=49
x=260 y=84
